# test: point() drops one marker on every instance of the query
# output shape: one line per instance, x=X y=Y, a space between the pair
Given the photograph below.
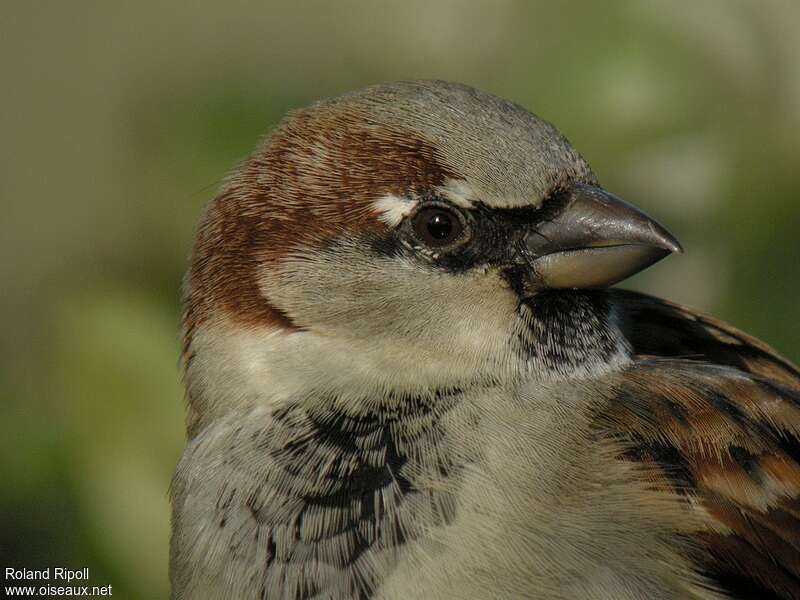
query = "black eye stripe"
x=457 y=240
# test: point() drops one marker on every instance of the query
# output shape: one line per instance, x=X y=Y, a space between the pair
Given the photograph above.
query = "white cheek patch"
x=393 y=209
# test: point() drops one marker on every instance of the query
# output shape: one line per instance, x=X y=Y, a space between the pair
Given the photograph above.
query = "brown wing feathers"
x=718 y=414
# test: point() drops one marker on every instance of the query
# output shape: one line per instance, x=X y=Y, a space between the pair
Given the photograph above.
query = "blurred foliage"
x=119 y=121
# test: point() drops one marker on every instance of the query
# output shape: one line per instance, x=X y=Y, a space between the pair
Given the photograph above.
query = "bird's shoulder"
x=713 y=416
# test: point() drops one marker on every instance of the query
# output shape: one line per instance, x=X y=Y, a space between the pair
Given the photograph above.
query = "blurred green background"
x=119 y=120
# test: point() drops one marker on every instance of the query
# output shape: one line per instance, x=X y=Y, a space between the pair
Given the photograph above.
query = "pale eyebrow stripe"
x=393 y=209
x=458 y=192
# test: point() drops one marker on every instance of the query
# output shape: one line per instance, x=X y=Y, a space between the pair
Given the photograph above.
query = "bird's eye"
x=438 y=226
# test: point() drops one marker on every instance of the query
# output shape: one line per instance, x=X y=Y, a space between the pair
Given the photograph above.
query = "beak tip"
x=658 y=235
x=672 y=245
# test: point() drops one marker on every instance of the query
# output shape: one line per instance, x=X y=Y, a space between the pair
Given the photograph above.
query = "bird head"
x=409 y=236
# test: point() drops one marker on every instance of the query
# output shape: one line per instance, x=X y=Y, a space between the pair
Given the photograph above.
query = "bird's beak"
x=595 y=240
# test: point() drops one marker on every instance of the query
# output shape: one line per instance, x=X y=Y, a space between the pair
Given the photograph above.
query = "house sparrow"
x=406 y=379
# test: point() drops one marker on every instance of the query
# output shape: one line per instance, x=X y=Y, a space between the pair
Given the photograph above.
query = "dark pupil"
x=440 y=226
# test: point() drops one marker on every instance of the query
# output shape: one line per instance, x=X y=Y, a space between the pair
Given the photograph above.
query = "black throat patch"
x=565 y=330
